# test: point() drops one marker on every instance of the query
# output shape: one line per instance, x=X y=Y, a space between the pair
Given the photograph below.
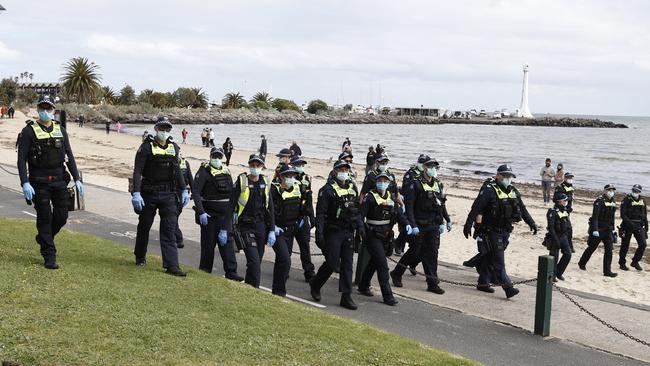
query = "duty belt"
x=156 y=188
x=221 y=200
x=377 y=222
x=46 y=179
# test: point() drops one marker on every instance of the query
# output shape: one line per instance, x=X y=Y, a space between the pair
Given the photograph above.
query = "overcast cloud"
x=585 y=57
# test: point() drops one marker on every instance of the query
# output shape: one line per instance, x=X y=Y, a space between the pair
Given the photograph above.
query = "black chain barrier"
x=311 y=254
x=598 y=319
x=457 y=283
x=12 y=173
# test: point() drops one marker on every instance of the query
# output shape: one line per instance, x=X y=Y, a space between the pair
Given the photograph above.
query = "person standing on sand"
x=496 y=208
x=347 y=145
x=559 y=175
x=370 y=159
x=184 y=135
x=204 y=137
x=108 y=127
x=558 y=237
x=11 y=111
x=227 y=150
x=262 y=149
x=635 y=223
x=295 y=149
x=548 y=174
x=303 y=234
x=602 y=227
x=211 y=138
x=566 y=187
x=118 y=126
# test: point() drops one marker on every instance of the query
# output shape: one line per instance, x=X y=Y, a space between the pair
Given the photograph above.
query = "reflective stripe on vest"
x=342 y=192
x=609 y=204
x=157 y=150
x=568 y=189
x=388 y=201
x=427 y=188
x=44 y=135
x=637 y=203
x=246 y=192
x=503 y=195
x=295 y=192
x=562 y=214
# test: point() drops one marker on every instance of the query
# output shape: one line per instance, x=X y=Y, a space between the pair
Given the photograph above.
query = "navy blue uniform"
x=212 y=189
x=500 y=209
x=567 y=189
x=47 y=175
x=338 y=216
x=635 y=223
x=159 y=180
x=558 y=238
x=410 y=174
x=602 y=220
x=257 y=219
x=303 y=233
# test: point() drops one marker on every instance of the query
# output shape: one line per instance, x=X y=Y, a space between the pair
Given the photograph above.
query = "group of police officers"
x=251 y=211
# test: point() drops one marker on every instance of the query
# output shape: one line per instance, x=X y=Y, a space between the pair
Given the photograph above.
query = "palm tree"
x=108 y=95
x=200 y=98
x=262 y=97
x=233 y=101
x=31 y=76
x=81 y=80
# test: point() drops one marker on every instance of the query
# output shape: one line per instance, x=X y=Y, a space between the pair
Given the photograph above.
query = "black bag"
x=71 y=199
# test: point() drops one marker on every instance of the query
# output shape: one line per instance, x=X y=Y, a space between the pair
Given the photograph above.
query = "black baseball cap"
x=609 y=187
x=341 y=163
x=506 y=170
x=255 y=157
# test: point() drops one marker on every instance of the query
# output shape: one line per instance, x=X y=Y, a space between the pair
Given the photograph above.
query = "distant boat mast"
x=524 y=111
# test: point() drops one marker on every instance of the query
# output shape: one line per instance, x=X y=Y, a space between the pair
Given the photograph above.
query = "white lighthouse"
x=524 y=111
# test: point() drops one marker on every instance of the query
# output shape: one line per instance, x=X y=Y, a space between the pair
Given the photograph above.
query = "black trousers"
x=641 y=242
x=209 y=242
x=228 y=155
x=562 y=262
x=178 y=234
x=375 y=247
x=339 y=252
x=492 y=265
x=282 y=264
x=165 y=204
x=254 y=254
x=51 y=203
x=400 y=241
x=423 y=248
x=592 y=245
x=303 y=236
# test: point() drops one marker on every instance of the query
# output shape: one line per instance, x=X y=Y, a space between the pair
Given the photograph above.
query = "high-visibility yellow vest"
x=157 y=150
x=43 y=135
x=246 y=192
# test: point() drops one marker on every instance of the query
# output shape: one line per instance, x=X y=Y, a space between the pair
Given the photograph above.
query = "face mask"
x=215 y=163
x=290 y=181
x=382 y=168
x=610 y=194
x=636 y=196
x=382 y=186
x=45 y=115
x=300 y=169
x=419 y=166
x=548 y=165
x=569 y=181
x=432 y=172
x=342 y=176
x=506 y=182
x=255 y=171
x=162 y=135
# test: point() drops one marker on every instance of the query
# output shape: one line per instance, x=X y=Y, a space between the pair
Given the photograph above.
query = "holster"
x=71 y=199
x=244 y=240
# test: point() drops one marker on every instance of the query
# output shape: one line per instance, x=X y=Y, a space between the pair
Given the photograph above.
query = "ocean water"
x=596 y=156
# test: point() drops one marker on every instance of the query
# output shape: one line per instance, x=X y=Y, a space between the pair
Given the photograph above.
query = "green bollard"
x=543 y=302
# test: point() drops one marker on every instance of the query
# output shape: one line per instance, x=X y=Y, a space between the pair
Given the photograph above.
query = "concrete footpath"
x=486 y=328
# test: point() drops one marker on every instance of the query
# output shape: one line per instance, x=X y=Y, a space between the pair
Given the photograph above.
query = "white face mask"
x=255 y=171
x=162 y=135
x=506 y=182
x=290 y=181
x=216 y=163
x=569 y=181
x=342 y=176
x=300 y=169
x=636 y=195
x=610 y=194
x=432 y=172
x=419 y=166
x=382 y=167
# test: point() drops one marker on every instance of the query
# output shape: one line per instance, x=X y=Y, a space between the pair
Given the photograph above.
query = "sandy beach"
x=107 y=160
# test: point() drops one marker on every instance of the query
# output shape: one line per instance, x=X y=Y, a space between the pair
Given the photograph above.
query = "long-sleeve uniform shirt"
x=26 y=146
x=394 y=213
x=255 y=209
x=425 y=203
x=329 y=212
x=145 y=156
x=603 y=215
x=486 y=204
x=634 y=213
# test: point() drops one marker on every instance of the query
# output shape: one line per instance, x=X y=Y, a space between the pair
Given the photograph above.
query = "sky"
x=585 y=57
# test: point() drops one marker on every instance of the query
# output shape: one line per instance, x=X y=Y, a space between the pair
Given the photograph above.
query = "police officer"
x=289 y=217
x=284 y=158
x=303 y=233
x=187 y=176
x=157 y=182
x=381 y=166
x=635 y=223
x=602 y=228
x=381 y=212
x=43 y=148
x=348 y=157
x=338 y=216
x=499 y=205
x=426 y=210
x=413 y=173
x=566 y=187
x=212 y=189
x=253 y=214
x=558 y=237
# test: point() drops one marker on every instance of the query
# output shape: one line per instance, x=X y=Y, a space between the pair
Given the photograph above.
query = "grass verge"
x=100 y=309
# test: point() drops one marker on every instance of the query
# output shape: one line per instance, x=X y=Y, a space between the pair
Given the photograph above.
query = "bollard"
x=543 y=301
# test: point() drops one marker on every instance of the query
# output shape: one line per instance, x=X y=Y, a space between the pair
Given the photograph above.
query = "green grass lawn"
x=99 y=309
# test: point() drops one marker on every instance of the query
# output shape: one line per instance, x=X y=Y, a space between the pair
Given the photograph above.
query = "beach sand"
x=107 y=160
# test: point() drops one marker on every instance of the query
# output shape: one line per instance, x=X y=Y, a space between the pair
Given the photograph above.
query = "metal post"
x=543 y=302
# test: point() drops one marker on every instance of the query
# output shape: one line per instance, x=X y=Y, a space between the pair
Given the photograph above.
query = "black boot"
x=582 y=266
x=623 y=267
x=487 y=289
x=51 y=264
x=175 y=271
x=610 y=274
x=140 y=262
x=413 y=270
x=315 y=292
x=436 y=289
x=636 y=266
x=180 y=245
x=366 y=292
x=347 y=302
x=309 y=276
x=235 y=277
x=511 y=291
x=397 y=279
x=390 y=301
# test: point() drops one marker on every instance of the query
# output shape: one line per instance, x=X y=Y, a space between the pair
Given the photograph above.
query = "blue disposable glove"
x=203 y=219
x=277 y=231
x=234 y=218
x=301 y=223
x=185 y=198
x=28 y=191
x=415 y=231
x=223 y=237
x=596 y=234
x=137 y=201
x=441 y=229
x=403 y=209
x=449 y=226
x=80 y=187
x=409 y=229
x=271 y=239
